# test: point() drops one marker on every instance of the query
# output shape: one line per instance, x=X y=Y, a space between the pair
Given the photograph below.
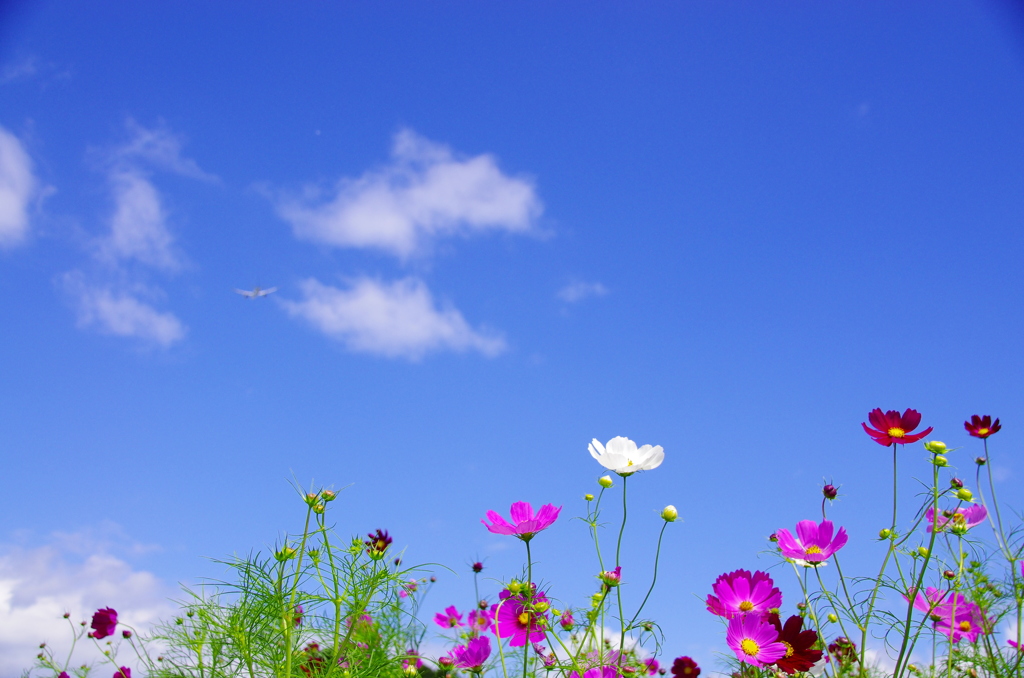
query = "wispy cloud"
x=160 y=148
x=426 y=191
x=579 y=290
x=121 y=313
x=396 y=320
x=138 y=226
x=23 y=68
x=39 y=584
x=18 y=187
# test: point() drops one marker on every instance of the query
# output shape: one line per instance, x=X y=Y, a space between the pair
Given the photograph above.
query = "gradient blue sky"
x=499 y=231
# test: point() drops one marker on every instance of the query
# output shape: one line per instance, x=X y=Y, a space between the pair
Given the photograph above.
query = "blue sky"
x=498 y=232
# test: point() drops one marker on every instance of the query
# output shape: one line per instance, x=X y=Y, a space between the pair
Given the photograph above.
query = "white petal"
x=655 y=456
x=622 y=446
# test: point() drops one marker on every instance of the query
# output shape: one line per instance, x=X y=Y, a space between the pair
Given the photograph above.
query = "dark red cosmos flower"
x=103 y=622
x=684 y=667
x=378 y=543
x=982 y=427
x=800 y=655
x=123 y=672
x=892 y=427
x=844 y=650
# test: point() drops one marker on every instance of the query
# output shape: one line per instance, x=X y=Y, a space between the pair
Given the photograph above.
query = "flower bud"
x=981 y=461
x=482 y=604
x=605 y=481
x=319 y=509
x=963 y=494
x=478 y=567
x=648 y=626
x=611 y=578
x=832 y=617
x=588 y=497
x=433 y=579
x=566 y=620
x=949 y=574
x=830 y=491
x=328 y=495
x=801 y=606
x=67 y=614
x=311 y=499
x=286 y=553
x=773 y=537
x=935 y=446
x=540 y=607
x=922 y=551
x=956 y=483
x=126 y=634
x=939 y=460
x=884 y=534
x=669 y=514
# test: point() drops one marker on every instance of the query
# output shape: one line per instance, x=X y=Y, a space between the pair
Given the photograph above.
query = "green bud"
x=922 y=551
x=832 y=617
x=935 y=446
x=588 y=497
x=669 y=514
x=605 y=481
x=963 y=494
x=939 y=460
x=884 y=534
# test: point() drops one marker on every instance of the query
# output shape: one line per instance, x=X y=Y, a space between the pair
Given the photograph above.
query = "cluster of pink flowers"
x=755 y=632
x=952 y=614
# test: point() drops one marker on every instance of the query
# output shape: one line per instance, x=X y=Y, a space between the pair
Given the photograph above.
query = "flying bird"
x=256 y=292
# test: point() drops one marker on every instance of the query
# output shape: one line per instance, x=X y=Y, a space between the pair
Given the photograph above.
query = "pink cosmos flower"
x=123 y=672
x=480 y=621
x=815 y=543
x=567 y=621
x=472 y=655
x=754 y=641
x=103 y=622
x=597 y=672
x=740 y=593
x=892 y=427
x=952 y=614
x=525 y=523
x=960 y=520
x=611 y=578
x=1013 y=644
x=652 y=666
x=449 y=619
x=546 y=658
x=412 y=660
x=516 y=618
x=931 y=599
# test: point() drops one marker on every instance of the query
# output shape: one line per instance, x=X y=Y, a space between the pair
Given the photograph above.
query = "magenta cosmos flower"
x=597 y=672
x=104 y=622
x=449 y=619
x=520 y=620
x=472 y=655
x=813 y=544
x=740 y=593
x=892 y=427
x=958 y=521
x=524 y=523
x=952 y=614
x=982 y=427
x=480 y=621
x=754 y=641
x=123 y=672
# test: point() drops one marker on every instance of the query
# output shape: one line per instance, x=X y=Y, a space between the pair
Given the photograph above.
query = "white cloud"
x=17 y=70
x=122 y=314
x=39 y=585
x=160 y=148
x=398 y=319
x=425 y=192
x=18 y=186
x=138 y=228
x=579 y=290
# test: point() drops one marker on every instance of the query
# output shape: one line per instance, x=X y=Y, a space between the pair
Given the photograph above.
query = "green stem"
x=654 y=579
x=618 y=589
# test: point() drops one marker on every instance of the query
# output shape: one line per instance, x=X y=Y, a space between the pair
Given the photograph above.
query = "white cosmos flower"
x=622 y=456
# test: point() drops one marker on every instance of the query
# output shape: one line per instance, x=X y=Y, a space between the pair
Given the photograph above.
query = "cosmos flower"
x=684 y=667
x=982 y=427
x=378 y=543
x=480 y=621
x=412 y=660
x=123 y=672
x=520 y=620
x=525 y=523
x=611 y=578
x=546 y=658
x=652 y=665
x=567 y=621
x=740 y=593
x=960 y=520
x=960 y=618
x=754 y=641
x=597 y=672
x=622 y=456
x=814 y=543
x=892 y=427
x=472 y=655
x=800 y=653
x=449 y=619
x=104 y=622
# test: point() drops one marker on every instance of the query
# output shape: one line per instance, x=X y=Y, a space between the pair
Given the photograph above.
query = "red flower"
x=892 y=427
x=103 y=622
x=982 y=427
x=123 y=672
x=800 y=655
x=684 y=667
x=378 y=543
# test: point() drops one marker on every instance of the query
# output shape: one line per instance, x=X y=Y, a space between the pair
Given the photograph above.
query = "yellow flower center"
x=629 y=463
x=965 y=626
x=896 y=432
x=746 y=606
x=789 y=648
x=687 y=670
x=982 y=431
x=959 y=519
x=812 y=550
x=750 y=647
x=524 y=618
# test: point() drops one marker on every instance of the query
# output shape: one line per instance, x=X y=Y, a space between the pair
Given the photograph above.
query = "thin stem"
x=618 y=589
x=654 y=579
